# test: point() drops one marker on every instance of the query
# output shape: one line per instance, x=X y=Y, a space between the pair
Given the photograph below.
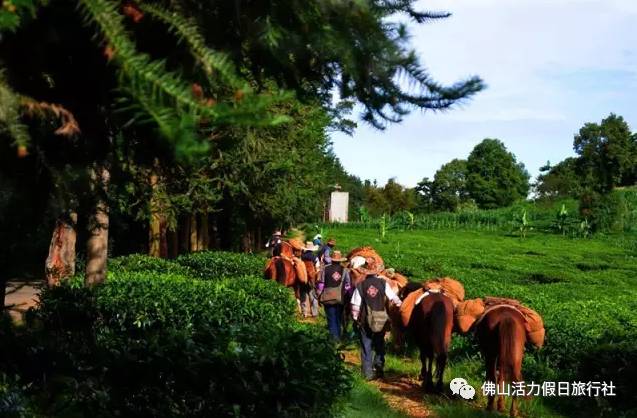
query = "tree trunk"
x=97 y=243
x=193 y=232
x=173 y=243
x=163 y=237
x=60 y=263
x=203 y=239
x=154 y=227
x=3 y=292
x=184 y=234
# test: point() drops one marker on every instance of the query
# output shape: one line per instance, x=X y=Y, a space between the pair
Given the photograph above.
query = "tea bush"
x=219 y=264
x=585 y=289
x=163 y=345
x=147 y=264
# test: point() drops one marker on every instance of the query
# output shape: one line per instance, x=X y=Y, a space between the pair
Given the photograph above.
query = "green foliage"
x=164 y=95
x=521 y=223
x=10 y=115
x=608 y=154
x=145 y=263
x=559 y=181
x=495 y=179
x=390 y=199
x=448 y=190
x=153 y=344
x=610 y=212
x=219 y=264
x=14 y=12
x=12 y=402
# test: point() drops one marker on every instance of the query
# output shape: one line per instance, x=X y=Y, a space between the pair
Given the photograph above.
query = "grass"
x=367 y=401
x=586 y=290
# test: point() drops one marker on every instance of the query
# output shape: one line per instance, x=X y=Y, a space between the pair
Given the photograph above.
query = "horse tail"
x=506 y=335
x=279 y=266
x=440 y=321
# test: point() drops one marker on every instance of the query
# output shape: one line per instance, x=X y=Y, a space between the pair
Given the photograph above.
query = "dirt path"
x=21 y=295
x=402 y=393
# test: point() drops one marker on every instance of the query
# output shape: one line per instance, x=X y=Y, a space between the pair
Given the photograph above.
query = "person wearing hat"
x=274 y=244
x=317 y=240
x=325 y=252
x=308 y=291
x=370 y=314
x=333 y=285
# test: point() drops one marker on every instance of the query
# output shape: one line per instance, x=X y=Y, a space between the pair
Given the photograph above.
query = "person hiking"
x=332 y=286
x=370 y=314
x=325 y=252
x=308 y=291
x=274 y=244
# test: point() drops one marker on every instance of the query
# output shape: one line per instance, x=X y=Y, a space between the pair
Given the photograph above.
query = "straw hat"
x=277 y=233
x=331 y=241
x=337 y=257
x=309 y=246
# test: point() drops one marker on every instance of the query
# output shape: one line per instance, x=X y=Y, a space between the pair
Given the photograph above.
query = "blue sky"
x=550 y=66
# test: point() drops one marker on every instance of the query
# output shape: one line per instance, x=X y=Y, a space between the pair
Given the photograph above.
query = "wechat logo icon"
x=460 y=386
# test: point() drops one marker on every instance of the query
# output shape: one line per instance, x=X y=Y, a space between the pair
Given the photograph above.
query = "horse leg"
x=490 y=363
x=501 y=383
x=517 y=377
x=430 y=369
x=441 y=363
x=297 y=296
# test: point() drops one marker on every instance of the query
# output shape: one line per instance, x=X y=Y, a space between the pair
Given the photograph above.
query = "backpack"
x=332 y=295
x=376 y=320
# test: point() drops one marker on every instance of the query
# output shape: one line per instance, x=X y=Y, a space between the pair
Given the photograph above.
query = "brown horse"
x=282 y=270
x=430 y=324
x=501 y=334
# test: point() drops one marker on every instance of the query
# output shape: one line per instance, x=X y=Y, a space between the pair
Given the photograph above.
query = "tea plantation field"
x=586 y=290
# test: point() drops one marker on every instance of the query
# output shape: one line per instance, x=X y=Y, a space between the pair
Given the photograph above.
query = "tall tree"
x=607 y=154
x=495 y=178
x=448 y=190
x=560 y=180
x=168 y=71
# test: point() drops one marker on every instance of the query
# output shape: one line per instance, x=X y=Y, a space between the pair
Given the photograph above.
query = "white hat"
x=317 y=236
x=309 y=246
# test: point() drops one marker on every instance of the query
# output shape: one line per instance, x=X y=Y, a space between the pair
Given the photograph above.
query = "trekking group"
x=358 y=287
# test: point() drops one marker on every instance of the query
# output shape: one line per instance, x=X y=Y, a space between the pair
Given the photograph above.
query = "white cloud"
x=550 y=66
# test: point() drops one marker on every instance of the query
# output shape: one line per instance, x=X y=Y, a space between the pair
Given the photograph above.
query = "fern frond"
x=10 y=122
x=150 y=81
x=186 y=30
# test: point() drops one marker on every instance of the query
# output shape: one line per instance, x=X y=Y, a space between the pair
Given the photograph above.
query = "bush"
x=12 y=402
x=220 y=264
x=160 y=345
x=147 y=264
x=607 y=212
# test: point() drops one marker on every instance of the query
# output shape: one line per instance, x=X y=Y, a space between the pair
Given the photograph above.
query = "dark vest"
x=333 y=275
x=372 y=291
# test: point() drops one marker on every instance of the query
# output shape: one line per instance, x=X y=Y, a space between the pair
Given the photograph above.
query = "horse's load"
x=467 y=312
x=287 y=250
x=296 y=244
x=470 y=311
x=408 y=305
x=366 y=252
x=301 y=270
x=398 y=279
x=535 y=332
x=451 y=287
